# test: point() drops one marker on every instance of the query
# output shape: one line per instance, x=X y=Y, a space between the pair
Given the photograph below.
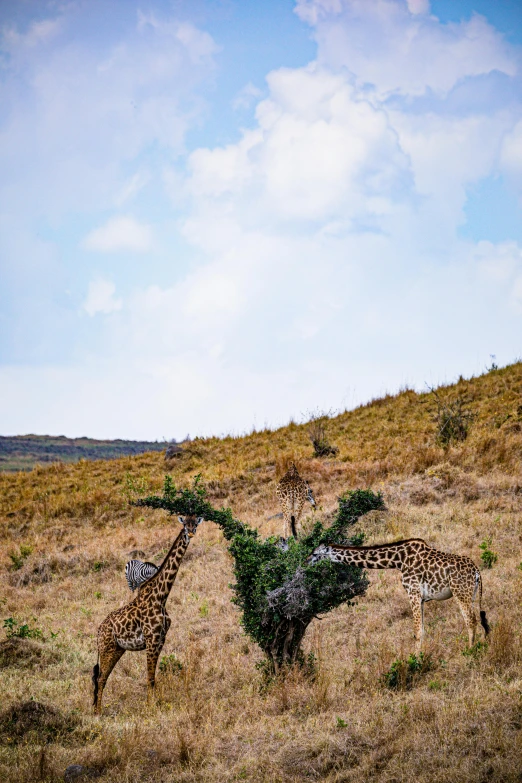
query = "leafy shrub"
x=13 y=628
x=277 y=591
x=488 y=557
x=402 y=675
x=18 y=559
x=170 y=664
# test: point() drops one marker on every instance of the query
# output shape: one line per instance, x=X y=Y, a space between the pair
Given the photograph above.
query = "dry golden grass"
x=461 y=722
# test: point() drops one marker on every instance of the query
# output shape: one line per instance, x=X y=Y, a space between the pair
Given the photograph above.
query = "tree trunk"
x=284 y=648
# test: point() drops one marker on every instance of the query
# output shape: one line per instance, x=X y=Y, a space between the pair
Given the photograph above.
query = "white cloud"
x=396 y=47
x=120 y=234
x=101 y=299
x=418 y=6
x=80 y=107
x=320 y=151
x=511 y=156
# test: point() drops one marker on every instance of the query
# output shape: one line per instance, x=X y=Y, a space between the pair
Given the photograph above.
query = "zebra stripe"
x=136 y=572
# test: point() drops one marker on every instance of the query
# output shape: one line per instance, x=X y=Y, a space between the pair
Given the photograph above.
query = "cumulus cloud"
x=397 y=47
x=118 y=234
x=101 y=299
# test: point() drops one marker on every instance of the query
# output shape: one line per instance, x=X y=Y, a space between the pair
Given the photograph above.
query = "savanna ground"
x=70 y=528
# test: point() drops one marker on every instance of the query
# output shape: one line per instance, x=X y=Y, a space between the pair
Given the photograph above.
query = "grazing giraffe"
x=143 y=623
x=427 y=575
x=292 y=492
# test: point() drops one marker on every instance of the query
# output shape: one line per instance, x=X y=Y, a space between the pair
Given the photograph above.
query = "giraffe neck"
x=161 y=583
x=383 y=556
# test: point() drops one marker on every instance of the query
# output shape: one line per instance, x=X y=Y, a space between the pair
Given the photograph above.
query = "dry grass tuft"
x=25 y=654
x=33 y=722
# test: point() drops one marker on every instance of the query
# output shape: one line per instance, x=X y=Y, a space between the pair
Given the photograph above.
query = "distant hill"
x=23 y=452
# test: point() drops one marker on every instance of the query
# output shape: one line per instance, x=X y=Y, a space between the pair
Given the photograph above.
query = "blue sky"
x=220 y=215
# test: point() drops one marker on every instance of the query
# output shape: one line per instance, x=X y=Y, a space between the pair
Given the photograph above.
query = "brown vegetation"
x=460 y=721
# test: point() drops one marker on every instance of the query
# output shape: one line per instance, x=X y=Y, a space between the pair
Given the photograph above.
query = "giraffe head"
x=190 y=523
x=322 y=552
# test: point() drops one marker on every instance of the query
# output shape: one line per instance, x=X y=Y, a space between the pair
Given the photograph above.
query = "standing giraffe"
x=427 y=575
x=143 y=623
x=292 y=492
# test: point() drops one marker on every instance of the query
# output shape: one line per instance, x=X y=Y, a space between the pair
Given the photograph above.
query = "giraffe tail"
x=294 y=529
x=483 y=619
x=95 y=678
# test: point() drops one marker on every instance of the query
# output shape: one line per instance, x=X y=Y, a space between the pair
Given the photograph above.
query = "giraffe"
x=143 y=623
x=292 y=491
x=427 y=575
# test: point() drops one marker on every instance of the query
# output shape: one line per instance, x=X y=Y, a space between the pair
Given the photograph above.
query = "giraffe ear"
x=182 y=521
x=200 y=520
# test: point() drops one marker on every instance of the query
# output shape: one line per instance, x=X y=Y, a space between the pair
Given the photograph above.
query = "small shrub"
x=402 y=675
x=170 y=664
x=98 y=565
x=453 y=420
x=341 y=724
x=203 y=609
x=13 y=628
x=18 y=559
x=475 y=653
x=494 y=365
x=488 y=557
x=317 y=434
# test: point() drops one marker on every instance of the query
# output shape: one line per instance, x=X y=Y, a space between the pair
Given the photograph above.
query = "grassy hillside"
x=66 y=531
x=23 y=452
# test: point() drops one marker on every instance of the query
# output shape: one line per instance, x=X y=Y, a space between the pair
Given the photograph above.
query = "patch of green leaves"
x=488 y=557
x=403 y=674
x=19 y=558
x=476 y=652
x=21 y=630
x=170 y=664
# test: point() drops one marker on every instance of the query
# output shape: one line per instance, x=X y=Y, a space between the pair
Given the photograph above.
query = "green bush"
x=13 y=628
x=402 y=675
x=277 y=591
x=170 y=664
x=488 y=557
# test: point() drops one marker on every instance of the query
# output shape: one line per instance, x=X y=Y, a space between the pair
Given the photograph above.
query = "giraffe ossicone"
x=143 y=623
x=427 y=575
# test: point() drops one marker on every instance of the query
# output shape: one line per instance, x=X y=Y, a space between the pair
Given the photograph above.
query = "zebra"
x=137 y=572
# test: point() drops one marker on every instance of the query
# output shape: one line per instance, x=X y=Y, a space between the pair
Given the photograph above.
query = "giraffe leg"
x=154 y=646
x=417 y=608
x=470 y=618
x=108 y=660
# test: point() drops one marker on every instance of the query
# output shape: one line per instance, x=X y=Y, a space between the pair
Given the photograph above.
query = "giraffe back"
x=292 y=492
